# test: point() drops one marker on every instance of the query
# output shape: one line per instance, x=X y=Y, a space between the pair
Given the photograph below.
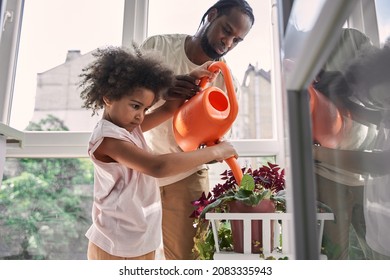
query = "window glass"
x=349 y=111
x=383 y=9
x=57 y=38
x=45 y=208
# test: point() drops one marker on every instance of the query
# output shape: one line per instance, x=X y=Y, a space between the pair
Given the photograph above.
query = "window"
x=57 y=38
x=51 y=54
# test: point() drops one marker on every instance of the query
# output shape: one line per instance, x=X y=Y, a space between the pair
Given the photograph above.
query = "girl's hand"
x=224 y=150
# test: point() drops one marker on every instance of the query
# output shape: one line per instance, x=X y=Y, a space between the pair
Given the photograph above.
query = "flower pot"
x=265 y=206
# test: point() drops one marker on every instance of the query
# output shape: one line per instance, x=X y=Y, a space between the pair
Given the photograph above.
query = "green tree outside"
x=45 y=205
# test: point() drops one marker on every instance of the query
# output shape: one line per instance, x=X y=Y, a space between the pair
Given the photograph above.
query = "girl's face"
x=129 y=111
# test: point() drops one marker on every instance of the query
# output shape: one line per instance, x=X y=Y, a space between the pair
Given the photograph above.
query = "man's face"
x=223 y=33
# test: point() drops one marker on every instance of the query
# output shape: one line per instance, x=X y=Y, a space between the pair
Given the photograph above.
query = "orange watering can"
x=329 y=123
x=208 y=116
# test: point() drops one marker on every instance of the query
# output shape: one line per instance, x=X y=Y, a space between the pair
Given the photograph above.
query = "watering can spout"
x=236 y=169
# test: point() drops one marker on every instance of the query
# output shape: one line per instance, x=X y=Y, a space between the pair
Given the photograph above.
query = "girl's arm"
x=161 y=114
x=126 y=153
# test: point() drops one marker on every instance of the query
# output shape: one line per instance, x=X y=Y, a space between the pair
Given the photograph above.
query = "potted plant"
x=260 y=190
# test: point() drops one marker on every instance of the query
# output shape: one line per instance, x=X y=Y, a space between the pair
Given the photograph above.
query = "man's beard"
x=207 y=48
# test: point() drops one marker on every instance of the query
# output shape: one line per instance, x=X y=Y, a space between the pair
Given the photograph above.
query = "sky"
x=51 y=28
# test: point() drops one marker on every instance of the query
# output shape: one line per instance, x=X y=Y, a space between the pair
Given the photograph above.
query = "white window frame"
x=10 y=25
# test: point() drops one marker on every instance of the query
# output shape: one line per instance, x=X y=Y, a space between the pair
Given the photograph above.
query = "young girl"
x=126 y=211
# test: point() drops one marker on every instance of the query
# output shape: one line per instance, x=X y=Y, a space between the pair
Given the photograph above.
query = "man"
x=222 y=27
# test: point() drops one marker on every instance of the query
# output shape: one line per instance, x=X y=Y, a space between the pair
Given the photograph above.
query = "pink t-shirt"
x=126 y=211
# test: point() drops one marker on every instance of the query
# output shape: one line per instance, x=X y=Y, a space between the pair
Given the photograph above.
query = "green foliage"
x=50 y=123
x=264 y=183
x=64 y=172
x=204 y=240
x=45 y=205
x=267 y=182
x=38 y=217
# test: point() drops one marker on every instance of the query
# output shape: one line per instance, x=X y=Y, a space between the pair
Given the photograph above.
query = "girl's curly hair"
x=117 y=71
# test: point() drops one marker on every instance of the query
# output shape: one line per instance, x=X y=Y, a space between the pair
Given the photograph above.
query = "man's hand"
x=185 y=86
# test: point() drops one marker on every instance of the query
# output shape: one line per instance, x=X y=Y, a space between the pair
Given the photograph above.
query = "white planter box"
x=281 y=231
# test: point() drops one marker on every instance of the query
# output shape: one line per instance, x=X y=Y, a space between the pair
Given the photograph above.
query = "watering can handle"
x=236 y=169
x=216 y=67
x=212 y=67
x=203 y=82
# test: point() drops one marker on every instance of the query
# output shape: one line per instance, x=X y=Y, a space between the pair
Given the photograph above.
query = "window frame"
x=10 y=27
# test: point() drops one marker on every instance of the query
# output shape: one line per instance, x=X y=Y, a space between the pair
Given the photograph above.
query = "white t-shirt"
x=126 y=211
x=161 y=138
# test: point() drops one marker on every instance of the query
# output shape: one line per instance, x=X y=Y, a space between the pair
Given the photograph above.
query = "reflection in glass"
x=305 y=13
x=352 y=174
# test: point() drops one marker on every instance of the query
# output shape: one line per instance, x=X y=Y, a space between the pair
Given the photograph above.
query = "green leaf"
x=247 y=182
x=242 y=194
